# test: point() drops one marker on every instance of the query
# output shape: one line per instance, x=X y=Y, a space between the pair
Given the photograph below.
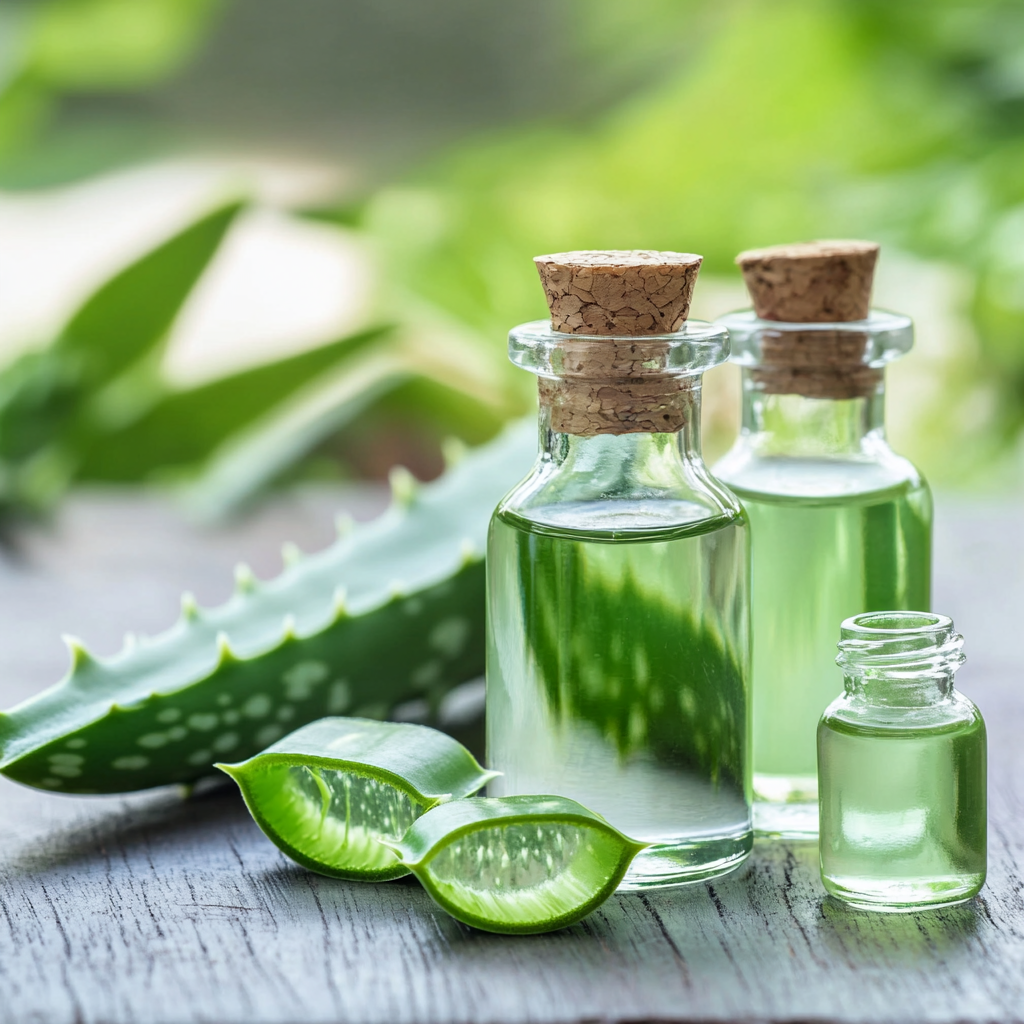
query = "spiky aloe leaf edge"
x=392 y=611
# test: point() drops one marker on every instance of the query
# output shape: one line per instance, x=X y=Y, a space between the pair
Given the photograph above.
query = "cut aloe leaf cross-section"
x=517 y=864
x=327 y=794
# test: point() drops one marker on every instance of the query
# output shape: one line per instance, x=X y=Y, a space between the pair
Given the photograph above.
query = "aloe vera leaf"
x=183 y=426
x=517 y=864
x=233 y=679
x=45 y=397
x=327 y=793
x=432 y=350
x=250 y=459
x=133 y=311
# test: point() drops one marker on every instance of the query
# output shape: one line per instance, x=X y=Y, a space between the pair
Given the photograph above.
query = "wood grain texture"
x=156 y=908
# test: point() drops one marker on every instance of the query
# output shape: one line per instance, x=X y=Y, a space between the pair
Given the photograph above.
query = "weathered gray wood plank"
x=155 y=908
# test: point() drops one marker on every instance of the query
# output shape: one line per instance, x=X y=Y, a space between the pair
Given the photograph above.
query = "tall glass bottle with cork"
x=618 y=576
x=840 y=524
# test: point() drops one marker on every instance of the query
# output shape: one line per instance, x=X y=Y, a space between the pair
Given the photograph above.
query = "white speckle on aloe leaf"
x=51 y=783
x=67 y=770
x=152 y=740
x=426 y=674
x=200 y=757
x=257 y=706
x=76 y=744
x=177 y=732
x=230 y=717
x=132 y=763
x=69 y=760
x=268 y=734
x=224 y=700
x=449 y=636
x=226 y=741
x=300 y=679
x=169 y=715
x=203 y=722
x=338 y=697
x=413 y=606
x=285 y=713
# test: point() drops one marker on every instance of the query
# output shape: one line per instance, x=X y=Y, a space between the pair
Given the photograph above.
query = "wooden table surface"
x=158 y=908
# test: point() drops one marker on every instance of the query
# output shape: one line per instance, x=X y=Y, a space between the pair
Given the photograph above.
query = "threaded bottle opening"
x=899 y=645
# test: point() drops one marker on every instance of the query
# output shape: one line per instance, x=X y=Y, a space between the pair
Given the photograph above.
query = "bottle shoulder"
x=547 y=502
x=841 y=477
x=854 y=715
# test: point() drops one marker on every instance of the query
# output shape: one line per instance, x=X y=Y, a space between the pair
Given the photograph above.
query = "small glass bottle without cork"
x=901 y=769
x=618 y=577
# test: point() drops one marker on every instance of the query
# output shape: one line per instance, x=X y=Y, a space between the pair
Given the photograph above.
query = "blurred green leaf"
x=131 y=314
x=52 y=402
x=258 y=454
x=181 y=427
x=50 y=397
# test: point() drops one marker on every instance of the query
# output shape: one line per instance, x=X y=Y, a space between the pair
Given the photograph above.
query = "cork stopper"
x=813 y=282
x=608 y=387
x=627 y=292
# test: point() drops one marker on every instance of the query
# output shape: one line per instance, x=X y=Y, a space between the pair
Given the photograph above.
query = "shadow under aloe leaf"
x=170 y=817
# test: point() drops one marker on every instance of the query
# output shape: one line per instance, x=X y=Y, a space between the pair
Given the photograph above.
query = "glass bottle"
x=617 y=604
x=840 y=524
x=901 y=768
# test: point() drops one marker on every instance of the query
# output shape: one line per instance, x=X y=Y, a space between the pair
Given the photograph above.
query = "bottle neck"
x=638 y=484
x=900 y=693
x=620 y=432
x=794 y=425
x=635 y=452
x=899 y=658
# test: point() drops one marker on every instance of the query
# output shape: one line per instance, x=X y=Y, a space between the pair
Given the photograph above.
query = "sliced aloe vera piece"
x=517 y=864
x=327 y=794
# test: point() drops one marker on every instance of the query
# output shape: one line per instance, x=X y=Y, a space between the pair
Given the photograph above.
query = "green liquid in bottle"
x=617 y=674
x=816 y=560
x=903 y=810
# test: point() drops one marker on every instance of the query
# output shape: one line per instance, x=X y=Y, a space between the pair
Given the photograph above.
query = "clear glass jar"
x=617 y=610
x=902 y=769
x=840 y=524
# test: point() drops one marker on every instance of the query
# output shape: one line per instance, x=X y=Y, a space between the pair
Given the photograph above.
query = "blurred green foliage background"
x=474 y=136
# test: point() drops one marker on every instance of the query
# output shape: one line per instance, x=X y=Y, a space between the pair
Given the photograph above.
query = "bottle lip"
x=899 y=644
x=885 y=336
x=891 y=625
x=695 y=347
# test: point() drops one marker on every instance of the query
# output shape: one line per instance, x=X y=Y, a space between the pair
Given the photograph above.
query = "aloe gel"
x=332 y=794
x=518 y=865
x=902 y=769
x=617 y=602
x=839 y=523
